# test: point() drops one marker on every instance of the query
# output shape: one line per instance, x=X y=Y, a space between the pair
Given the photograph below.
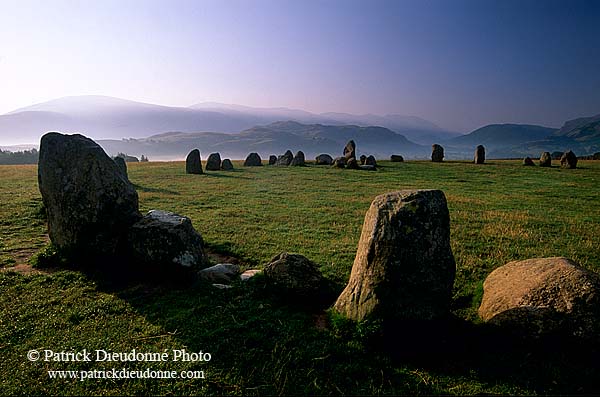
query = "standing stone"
x=363 y=159
x=352 y=164
x=404 y=268
x=350 y=150
x=541 y=296
x=120 y=161
x=253 y=160
x=527 y=161
x=272 y=159
x=323 y=159
x=294 y=274
x=568 y=160
x=226 y=165
x=339 y=162
x=90 y=205
x=168 y=241
x=479 y=155
x=371 y=161
x=214 y=162
x=298 y=159
x=285 y=159
x=396 y=158
x=437 y=153
x=193 y=164
x=545 y=160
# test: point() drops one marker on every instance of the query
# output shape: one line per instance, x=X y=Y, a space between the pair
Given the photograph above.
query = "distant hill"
x=102 y=117
x=502 y=135
x=274 y=138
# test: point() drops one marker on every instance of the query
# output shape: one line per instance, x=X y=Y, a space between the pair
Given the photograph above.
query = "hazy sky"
x=461 y=64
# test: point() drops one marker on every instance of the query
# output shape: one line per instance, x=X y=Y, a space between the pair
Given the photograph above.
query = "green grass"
x=499 y=212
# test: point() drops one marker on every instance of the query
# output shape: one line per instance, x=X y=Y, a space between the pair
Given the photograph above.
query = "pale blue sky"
x=461 y=64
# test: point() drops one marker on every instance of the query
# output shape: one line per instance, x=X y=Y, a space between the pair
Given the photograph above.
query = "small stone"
x=248 y=274
x=545 y=160
x=396 y=158
x=226 y=165
x=568 y=160
x=223 y=273
x=298 y=160
x=371 y=161
x=214 y=162
x=527 y=161
x=323 y=159
x=253 y=160
x=272 y=159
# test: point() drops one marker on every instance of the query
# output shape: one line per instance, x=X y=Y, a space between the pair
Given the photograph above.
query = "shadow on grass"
x=147 y=189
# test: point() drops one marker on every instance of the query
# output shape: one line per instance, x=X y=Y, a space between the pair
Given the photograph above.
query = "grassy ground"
x=499 y=212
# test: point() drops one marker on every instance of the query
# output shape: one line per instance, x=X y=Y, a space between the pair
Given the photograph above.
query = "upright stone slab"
x=404 y=268
x=213 y=163
x=437 y=153
x=193 y=163
x=568 y=160
x=350 y=150
x=363 y=159
x=545 y=160
x=272 y=159
x=479 y=155
x=253 y=160
x=285 y=159
x=120 y=161
x=298 y=160
x=90 y=204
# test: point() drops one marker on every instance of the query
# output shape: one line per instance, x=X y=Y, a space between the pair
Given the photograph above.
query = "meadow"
x=260 y=344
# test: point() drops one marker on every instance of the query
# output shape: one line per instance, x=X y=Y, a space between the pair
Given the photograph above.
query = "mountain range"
x=102 y=117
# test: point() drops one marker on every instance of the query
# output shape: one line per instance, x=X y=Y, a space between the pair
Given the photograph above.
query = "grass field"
x=499 y=212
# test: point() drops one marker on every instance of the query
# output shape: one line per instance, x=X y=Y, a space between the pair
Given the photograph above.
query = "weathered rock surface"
x=323 y=159
x=542 y=296
x=404 y=268
x=165 y=239
x=272 y=159
x=193 y=163
x=222 y=273
x=213 y=163
x=120 y=161
x=437 y=153
x=226 y=165
x=352 y=164
x=350 y=150
x=285 y=159
x=339 y=162
x=528 y=161
x=248 y=274
x=293 y=273
x=254 y=160
x=545 y=160
x=298 y=160
x=479 y=155
x=396 y=158
x=363 y=159
x=90 y=204
x=568 y=160
x=371 y=161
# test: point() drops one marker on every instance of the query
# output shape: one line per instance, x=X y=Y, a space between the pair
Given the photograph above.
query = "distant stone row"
x=567 y=160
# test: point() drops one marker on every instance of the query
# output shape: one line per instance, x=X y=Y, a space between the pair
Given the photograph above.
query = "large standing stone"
x=568 y=160
x=120 y=161
x=298 y=159
x=226 y=165
x=396 y=158
x=371 y=161
x=294 y=273
x=193 y=163
x=542 y=296
x=90 y=204
x=545 y=160
x=253 y=160
x=527 y=161
x=213 y=163
x=437 y=153
x=165 y=239
x=272 y=159
x=285 y=159
x=404 y=268
x=350 y=150
x=479 y=155
x=323 y=159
